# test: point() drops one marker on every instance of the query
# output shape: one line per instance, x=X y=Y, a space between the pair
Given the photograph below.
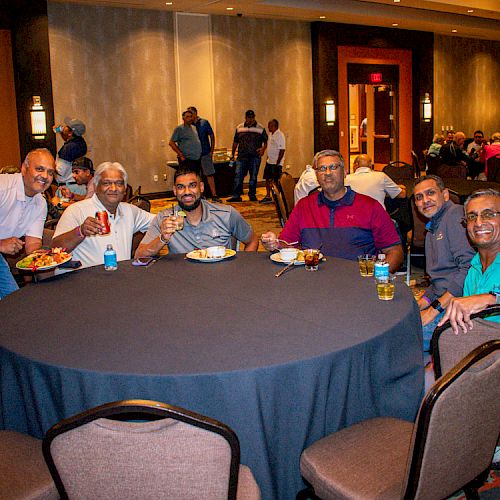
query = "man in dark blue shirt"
x=251 y=140
x=207 y=139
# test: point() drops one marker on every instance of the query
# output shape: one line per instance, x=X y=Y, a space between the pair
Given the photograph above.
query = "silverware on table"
x=279 y=273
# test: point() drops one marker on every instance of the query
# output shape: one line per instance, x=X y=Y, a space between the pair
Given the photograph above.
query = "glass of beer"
x=311 y=259
x=366 y=264
x=385 y=287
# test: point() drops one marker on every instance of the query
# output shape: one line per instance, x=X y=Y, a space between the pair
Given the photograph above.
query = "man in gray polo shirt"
x=186 y=143
x=206 y=224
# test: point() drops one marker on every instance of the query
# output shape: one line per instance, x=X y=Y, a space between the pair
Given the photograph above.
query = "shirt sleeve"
x=264 y=135
x=70 y=218
x=71 y=151
x=175 y=135
x=36 y=227
x=390 y=187
x=236 y=135
x=383 y=229
x=153 y=229
x=142 y=219
x=281 y=141
x=239 y=227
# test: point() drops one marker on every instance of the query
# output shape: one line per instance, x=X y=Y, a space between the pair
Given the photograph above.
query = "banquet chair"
x=416 y=164
x=452 y=171
x=447 y=348
x=146 y=449
x=433 y=163
x=23 y=472
x=415 y=238
x=448 y=448
x=399 y=170
x=280 y=205
x=286 y=185
x=494 y=168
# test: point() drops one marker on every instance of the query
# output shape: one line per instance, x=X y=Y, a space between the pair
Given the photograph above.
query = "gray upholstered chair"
x=111 y=452
x=448 y=349
x=449 y=447
x=23 y=472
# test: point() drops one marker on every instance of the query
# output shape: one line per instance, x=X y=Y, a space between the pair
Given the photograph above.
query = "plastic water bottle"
x=110 y=263
x=381 y=269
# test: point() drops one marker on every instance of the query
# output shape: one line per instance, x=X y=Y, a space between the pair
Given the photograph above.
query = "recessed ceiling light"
x=322 y=17
x=395 y=24
x=453 y=31
x=169 y=3
x=470 y=11
x=229 y=8
x=397 y=1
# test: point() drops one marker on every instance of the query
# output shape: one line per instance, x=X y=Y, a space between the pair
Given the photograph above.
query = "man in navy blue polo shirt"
x=250 y=139
x=342 y=222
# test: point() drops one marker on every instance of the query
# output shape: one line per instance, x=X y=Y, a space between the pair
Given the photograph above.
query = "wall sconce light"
x=38 y=119
x=427 y=108
x=330 y=112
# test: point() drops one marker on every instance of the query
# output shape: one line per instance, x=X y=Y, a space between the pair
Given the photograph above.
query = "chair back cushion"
x=160 y=459
x=287 y=184
x=493 y=168
x=451 y=348
x=398 y=170
x=457 y=427
x=452 y=171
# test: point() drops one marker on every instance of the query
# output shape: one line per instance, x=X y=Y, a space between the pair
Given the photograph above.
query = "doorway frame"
x=370 y=55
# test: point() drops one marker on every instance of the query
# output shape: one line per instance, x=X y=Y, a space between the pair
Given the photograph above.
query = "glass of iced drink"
x=366 y=264
x=311 y=259
x=385 y=287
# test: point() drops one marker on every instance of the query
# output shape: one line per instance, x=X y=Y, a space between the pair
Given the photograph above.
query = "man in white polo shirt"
x=80 y=232
x=366 y=181
x=23 y=210
x=275 y=157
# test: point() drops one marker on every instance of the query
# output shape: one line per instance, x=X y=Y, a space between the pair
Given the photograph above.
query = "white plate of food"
x=299 y=261
x=43 y=260
x=202 y=256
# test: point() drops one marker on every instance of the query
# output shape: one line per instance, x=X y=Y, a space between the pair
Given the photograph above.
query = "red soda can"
x=103 y=218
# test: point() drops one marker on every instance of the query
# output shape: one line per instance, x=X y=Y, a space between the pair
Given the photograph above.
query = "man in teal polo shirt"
x=482 y=283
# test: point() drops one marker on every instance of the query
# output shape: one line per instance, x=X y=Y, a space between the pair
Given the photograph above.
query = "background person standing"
x=250 y=139
x=186 y=143
x=275 y=157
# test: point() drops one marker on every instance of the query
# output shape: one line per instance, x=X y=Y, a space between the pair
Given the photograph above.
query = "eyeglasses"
x=107 y=184
x=332 y=167
x=485 y=216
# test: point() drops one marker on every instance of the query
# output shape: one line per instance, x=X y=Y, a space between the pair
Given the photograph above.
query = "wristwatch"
x=435 y=304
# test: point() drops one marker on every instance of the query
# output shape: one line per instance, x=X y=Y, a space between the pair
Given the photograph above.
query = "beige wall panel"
x=466 y=83
x=264 y=65
x=114 y=69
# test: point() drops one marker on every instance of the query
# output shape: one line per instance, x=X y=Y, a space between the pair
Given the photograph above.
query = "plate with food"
x=43 y=260
x=299 y=260
x=202 y=255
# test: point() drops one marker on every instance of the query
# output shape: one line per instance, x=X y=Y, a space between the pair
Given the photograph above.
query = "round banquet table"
x=283 y=361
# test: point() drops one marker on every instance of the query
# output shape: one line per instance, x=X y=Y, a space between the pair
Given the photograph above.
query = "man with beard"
x=81 y=233
x=206 y=224
x=482 y=283
x=23 y=210
x=447 y=251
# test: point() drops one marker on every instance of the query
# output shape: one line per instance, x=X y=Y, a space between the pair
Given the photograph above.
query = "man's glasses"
x=485 y=216
x=107 y=184
x=323 y=168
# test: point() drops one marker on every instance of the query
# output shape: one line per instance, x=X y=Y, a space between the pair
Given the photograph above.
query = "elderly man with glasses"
x=338 y=220
x=80 y=232
x=482 y=283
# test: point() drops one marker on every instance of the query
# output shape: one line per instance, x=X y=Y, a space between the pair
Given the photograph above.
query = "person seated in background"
x=206 y=224
x=447 y=250
x=307 y=182
x=377 y=185
x=338 y=220
x=474 y=150
x=435 y=147
x=452 y=153
x=450 y=135
x=482 y=283
x=23 y=210
x=81 y=233
x=490 y=150
x=83 y=174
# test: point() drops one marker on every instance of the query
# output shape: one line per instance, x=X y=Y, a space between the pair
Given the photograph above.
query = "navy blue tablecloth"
x=283 y=361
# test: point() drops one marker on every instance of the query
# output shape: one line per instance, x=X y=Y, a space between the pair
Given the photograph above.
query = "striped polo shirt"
x=249 y=139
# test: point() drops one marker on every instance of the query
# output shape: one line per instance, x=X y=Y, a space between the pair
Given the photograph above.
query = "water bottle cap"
x=109 y=247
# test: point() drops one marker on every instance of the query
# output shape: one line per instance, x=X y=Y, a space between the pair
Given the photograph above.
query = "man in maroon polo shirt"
x=342 y=222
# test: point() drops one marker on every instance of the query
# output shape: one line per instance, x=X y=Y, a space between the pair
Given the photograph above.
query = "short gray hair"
x=109 y=165
x=481 y=192
x=430 y=177
x=328 y=152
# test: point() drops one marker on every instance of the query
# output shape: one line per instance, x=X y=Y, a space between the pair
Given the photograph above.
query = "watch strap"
x=435 y=304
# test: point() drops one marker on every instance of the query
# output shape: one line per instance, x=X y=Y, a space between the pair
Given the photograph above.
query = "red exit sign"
x=376 y=77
